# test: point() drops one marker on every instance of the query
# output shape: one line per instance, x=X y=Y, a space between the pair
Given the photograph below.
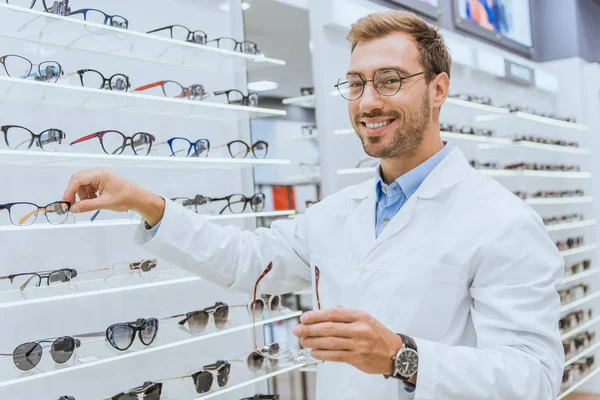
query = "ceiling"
x=281 y=31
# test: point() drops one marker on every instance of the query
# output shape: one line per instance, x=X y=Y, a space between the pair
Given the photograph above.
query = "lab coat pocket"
x=423 y=298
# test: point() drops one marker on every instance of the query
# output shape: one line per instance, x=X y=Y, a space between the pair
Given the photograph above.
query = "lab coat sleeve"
x=515 y=313
x=228 y=256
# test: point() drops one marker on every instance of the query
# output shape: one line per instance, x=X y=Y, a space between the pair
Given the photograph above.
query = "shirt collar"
x=410 y=181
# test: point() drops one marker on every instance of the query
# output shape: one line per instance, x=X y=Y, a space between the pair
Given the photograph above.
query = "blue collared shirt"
x=391 y=198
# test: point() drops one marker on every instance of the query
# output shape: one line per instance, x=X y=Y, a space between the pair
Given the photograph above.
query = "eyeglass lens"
x=387 y=82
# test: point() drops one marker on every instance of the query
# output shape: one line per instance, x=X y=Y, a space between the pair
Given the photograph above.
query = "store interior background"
x=315 y=153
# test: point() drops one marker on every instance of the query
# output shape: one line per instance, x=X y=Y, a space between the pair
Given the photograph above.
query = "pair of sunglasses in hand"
x=183 y=147
x=28 y=355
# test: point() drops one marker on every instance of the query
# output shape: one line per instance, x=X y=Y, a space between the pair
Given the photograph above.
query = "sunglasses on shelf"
x=25 y=213
x=573 y=293
x=541 y=140
x=27 y=356
x=18 y=137
x=578 y=267
x=578 y=343
x=262 y=397
x=20 y=67
x=66 y=398
x=516 y=108
x=115 y=142
x=203 y=379
x=256 y=360
x=238 y=98
x=176 y=90
x=121 y=335
x=543 y=167
x=231 y=44
x=35 y=278
x=563 y=219
x=574 y=319
x=472 y=98
x=198 y=320
x=180 y=32
x=570 y=243
x=95 y=79
x=147 y=391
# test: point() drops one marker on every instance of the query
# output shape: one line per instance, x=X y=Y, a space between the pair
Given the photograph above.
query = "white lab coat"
x=465 y=268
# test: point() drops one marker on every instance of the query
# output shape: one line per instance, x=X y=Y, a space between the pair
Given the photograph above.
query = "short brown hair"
x=432 y=49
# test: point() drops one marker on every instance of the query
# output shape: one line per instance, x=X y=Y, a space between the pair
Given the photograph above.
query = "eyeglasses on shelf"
x=180 y=32
x=229 y=43
x=18 y=137
x=17 y=66
x=100 y=17
x=95 y=79
x=25 y=279
x=25 y=213
x=238 y=98
x=176 y=90
x=115 y=142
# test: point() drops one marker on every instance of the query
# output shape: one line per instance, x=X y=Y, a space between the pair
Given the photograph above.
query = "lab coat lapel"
x=363 y=217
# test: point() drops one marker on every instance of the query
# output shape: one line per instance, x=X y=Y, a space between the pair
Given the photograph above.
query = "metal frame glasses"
x=115 y=142
x=257 y=202
x=177 y=90
x=229 y=43
x=17 y=66
x=145 y=265
x=25 y=211
x=203 y=379
x=147 y=391
x=51 y=276
x=117 y=21
x=197 y=36
x=238 y=98
x=387 y=82
x=16 y=137
x=28 y=355
x=117 y=82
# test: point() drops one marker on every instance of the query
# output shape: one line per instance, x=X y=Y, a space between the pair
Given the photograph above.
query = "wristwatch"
x=406 y=362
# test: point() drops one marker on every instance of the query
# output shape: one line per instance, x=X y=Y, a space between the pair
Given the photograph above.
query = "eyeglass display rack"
x=473 y=74
x=93 y=300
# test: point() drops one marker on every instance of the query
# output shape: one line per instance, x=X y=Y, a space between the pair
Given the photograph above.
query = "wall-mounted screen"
x=509 y=18
x=429 y=8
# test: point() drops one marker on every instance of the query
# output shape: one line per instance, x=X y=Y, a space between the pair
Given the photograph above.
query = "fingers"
x=83 y=206
x=323 y=329
x=328 y=343
x=83 y=178
x=331 y=355
x=337 y=314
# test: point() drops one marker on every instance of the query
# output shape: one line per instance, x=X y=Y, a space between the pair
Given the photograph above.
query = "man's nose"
x=371 y=99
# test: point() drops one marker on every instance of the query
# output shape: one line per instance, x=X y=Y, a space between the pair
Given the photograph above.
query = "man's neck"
x=393 y=168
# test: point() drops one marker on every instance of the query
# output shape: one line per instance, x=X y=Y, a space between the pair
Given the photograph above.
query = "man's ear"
x=439 y=87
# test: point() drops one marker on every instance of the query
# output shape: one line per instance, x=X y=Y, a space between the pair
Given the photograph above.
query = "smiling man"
x=433 y=281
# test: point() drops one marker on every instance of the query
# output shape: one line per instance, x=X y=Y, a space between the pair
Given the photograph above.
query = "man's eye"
x=355 y=84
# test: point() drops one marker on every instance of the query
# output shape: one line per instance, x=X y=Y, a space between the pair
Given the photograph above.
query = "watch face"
x=407 y=363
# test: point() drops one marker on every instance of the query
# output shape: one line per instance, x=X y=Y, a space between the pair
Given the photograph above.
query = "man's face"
x=405 y=114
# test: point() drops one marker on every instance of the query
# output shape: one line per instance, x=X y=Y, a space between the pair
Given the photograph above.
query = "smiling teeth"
x=378 y=124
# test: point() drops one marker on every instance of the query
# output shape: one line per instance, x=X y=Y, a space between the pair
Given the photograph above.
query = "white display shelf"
x=578 y=384
x=590 y=350
x=552 y=147
x=570 y=225
x=453 y=105
x=301 y=101
x=537 y=174
x=580 y=328
x=40 y=158
x=29 y=92
x=579 y=250
x=131 y=222
x=581 y=275
x=228 y=389
x=45 y=28
x=97 y=351
x=519 y=119
x=356 y=171
x=560 y=200
x=577 y=303
x=475 y=138
x=309 y=368
x=95 y=287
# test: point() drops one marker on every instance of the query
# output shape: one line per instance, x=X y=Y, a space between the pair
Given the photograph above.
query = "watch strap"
x=408 y=341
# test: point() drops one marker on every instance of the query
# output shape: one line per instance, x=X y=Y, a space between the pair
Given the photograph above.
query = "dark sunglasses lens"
x=58 y=276
x=221 y=313
x=223 y=376
x=27 y=355
x=257 y=307
x=203 y=382
x=148 y=332
x=153 y=393
x=260 y=149
x=255 y=362
x=275 y=302
x=120 y=336
x=198 y=321
x=147 y=265
x=257 y=202
x=62 y=349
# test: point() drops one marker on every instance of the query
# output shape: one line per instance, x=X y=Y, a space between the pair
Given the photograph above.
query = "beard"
x=407 y=137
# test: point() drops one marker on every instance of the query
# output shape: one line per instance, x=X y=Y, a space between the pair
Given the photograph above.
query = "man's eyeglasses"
x=238 y=98
x=24 y=279
x=387 y=82
x=228 y=43
x=180 y=32
x=27 y=356
x=20 y=67
x=25 y=213
x=115 y=142
x=95 y=79
x=273 y=351
x=176 y=90
x=18 y=137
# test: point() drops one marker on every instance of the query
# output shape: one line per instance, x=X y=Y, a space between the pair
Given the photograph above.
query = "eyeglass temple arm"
x=84 y=138
x=160 y=29
x=149 y=86
x=94 y=270
x=89 y=335
x=78 y=72
x=29 y=214
x=220 y=92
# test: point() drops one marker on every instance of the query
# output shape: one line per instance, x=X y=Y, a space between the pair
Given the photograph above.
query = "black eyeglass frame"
x=365 y=81
x=190 y=37
x=105 y=80
x=245 y=199
x=37 y=138
x=245 y=101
